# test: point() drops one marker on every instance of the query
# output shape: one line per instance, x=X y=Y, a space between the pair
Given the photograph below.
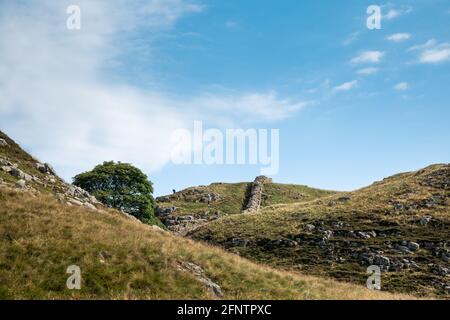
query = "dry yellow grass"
x=122 y=259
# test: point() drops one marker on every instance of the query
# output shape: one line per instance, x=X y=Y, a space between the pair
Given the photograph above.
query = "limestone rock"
x=413 y=246
x=200 y=275
x=21 y=183
x=89 y=206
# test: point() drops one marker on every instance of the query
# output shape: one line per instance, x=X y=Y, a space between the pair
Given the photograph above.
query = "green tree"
x=121 y=186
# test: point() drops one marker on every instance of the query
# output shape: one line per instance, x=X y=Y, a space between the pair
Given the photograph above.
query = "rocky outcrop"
x=254 y=194
x=439 y=179
x=195 y=195
x=3 y=143
x=198 y=273
x=182 y=224
x=70 y=194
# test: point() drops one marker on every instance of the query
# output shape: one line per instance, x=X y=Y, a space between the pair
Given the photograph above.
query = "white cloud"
x=428 y=44
x=398 y=37
x=402 y=86
x=253 y=106
x=435 y=55
x=432 y=52
x=396 y=12
x=351 y=38
x=57 y=101
x=346 y=86
x=368 y=57
x=231 y=24
x=367 y=71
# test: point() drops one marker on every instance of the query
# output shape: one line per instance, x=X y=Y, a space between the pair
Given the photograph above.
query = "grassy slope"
x=370 y=209
x=26 y=162
x=120 y=258
x=233 y=197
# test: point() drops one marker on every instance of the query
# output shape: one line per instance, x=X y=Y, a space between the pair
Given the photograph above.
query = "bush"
x=121 y=186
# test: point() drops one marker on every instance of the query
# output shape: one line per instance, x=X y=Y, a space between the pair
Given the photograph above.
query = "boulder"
x=75 y=202
x=21 y=183
x=425 y=220
x=200 y=275
x=41 y=167
x=413 y=246
x=440 y=270
x=237 y=242
x=89 y=206
x=3 y=143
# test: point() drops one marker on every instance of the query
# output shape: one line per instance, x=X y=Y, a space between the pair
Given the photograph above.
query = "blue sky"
x=353 y=105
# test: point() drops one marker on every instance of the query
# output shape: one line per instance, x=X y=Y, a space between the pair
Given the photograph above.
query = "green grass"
x=370 y=209
x=233 y=196
x=122 y=259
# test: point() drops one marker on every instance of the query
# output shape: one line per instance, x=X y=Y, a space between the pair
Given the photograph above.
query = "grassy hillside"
x=230 y=197
x=122 y=259
x=42 y=233
x=340 y=235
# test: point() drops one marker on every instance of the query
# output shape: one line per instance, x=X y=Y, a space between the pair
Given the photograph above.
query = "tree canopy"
x=121 y=186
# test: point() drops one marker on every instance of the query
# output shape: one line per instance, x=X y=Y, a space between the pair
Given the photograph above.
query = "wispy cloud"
x=368 y=57
x=393 y=13
x=256 y=106
x=346 y=86
x=402 y=86
x=398 y=37
x=231 y=24
x=57 y=101
x=367 y=71
x=351 y=38
x=432 y=52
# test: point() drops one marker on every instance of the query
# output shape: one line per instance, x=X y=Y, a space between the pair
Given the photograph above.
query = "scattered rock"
x=156 y=228
x=75 y=202
x=310 y=227
x=366 y=235
x=163 y=212
x=16 y=172
x=439 y=179
x=21 y=183
x=3 y=143
x=425 y=220
x=89 y=206
x=413 y=246
x=45 y=168
x=210 y=198
x=440 y=270
x=402 y=248
x=200 y=275
x=237 y=242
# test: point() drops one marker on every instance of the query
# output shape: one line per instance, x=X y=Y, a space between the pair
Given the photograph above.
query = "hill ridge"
x=119 y=258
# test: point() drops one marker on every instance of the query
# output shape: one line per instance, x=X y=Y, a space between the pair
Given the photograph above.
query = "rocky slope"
x=401 y=224
x=188 y=209
x=45 y=227
x=20 y=170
